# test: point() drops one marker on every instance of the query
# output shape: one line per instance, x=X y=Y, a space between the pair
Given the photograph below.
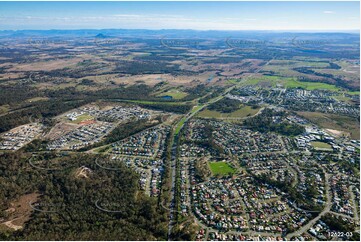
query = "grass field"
x=36 y=99
x=206 y=113
x=311 y=85
x=196 y=109
x=221 y=168
x=233 y=81
x=288 y=82
x=342 y=98
x=243 y=112
x=285 y=67
x=174 y=93
x=332 y=121
x=82 y=118
x=297 y=63
x=353 y=93
x=51 y=86
x=321 y=145
x=179 y=126
x=349 y=70
x=152 y=102
x=182 y=121
x=4 y=108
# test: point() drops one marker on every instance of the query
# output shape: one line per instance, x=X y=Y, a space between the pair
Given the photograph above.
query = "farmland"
x=273 y=81
x=144 y=140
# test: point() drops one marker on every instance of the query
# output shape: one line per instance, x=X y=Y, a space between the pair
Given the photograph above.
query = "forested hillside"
x=78 y=200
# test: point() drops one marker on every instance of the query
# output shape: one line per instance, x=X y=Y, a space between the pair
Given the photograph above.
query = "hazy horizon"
x=222 y=16
x=346 y=31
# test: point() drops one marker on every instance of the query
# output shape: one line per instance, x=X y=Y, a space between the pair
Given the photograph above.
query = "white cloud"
x=166 y=21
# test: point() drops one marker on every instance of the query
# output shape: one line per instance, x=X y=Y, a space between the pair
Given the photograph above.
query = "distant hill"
x=101 y=36
x=181 y=33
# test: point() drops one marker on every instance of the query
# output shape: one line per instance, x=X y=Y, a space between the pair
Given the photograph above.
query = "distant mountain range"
x=175 y=33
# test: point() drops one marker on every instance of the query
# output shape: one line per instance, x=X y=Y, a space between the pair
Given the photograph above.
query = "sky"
x=323 y=16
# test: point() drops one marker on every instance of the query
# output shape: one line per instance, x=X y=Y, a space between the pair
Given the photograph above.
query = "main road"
x=174 y=155
x=174 y=143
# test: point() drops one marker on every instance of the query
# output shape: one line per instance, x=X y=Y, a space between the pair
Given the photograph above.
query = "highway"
x=174 y=158
x=174 y=155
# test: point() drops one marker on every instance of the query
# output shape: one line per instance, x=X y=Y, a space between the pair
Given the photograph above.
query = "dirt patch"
x=60 y=129
x=335 y=132
x=19 y=211
x=87 y=122
x=83 y=172
x=348 y=125
x=10 y=224
x=47 y=65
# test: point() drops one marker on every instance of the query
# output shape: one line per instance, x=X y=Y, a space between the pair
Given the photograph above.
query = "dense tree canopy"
x=225 y=105
x=265 y=123
x=77 y=216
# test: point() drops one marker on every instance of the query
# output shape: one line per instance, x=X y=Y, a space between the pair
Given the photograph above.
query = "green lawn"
x=321 y=145
x=288 y=82
x=174 y=93
x=206 y=113
x=233 y=81
x=311 y=85
x=196 y=109
x=179 y=125
x=182 y=121
x=221 y=168
x=152 y=102
x=353 y=93
x=243 y=112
